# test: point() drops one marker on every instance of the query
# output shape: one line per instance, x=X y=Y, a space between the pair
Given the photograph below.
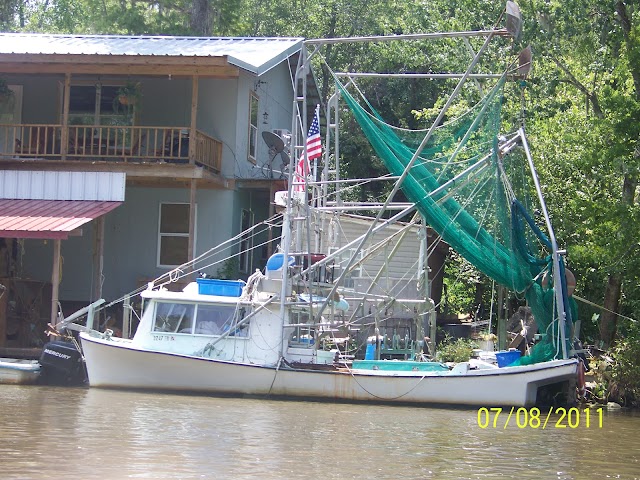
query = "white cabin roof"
x=254 y=54
x=189 y=294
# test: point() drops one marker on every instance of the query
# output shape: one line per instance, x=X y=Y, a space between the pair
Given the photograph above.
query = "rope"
x=584 y=300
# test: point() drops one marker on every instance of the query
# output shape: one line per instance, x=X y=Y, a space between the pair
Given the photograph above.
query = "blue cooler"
x=507 y=358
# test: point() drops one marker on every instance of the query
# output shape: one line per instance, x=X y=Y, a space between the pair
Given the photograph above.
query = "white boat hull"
x=15 y=371
x=116 y=363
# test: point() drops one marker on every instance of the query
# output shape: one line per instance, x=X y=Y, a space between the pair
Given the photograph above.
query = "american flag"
x=314 y=150
x=314 y=143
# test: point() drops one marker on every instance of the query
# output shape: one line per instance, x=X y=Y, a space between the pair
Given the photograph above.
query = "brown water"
x=78 y=433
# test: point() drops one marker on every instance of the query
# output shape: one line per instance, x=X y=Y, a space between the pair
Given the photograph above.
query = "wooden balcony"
x=129 y=144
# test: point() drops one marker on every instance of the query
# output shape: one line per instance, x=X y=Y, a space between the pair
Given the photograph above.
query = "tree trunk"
x=201 y=21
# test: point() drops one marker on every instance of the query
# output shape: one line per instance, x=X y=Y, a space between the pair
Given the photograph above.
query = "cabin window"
x=301 y=336
x=173 y=317
x=218 y=319
x=246 y=242
x=173 y=234
x=253 y=127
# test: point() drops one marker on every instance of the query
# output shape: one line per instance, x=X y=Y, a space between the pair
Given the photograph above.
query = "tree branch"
x=593 y=99
x=625 y=23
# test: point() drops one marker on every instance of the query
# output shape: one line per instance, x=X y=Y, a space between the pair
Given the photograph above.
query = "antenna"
x=276 y=146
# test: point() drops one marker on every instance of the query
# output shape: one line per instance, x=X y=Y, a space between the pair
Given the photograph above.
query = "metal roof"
x=255 y=54
x=51 y=219
x=63 y=185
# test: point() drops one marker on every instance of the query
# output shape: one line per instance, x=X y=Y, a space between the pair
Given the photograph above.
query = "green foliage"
x=230 y=269
x=127 y=97
x=585 y=130
x=458 y=350
x=618 y=372
x=625 y=373
x=460 y=280
x=132 y=17
x=5 y=91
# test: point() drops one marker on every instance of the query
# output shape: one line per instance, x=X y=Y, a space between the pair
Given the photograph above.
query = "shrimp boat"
x=283 y=332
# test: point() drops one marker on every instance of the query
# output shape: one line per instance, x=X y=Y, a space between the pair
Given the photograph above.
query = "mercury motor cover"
x=62 y=364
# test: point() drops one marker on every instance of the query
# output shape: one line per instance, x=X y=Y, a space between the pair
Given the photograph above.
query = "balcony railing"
x=112 y=143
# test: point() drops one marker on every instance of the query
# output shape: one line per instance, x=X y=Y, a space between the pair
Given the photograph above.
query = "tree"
x=589 y=90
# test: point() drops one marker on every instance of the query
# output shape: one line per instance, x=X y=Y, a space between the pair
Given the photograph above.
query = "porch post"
x=194 y=118
x=98 y=258
x=192 y=219
x=4 y=301
x=64 y=135
x=55 y=281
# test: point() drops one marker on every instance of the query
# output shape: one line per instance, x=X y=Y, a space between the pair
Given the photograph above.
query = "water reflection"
x=109 y=434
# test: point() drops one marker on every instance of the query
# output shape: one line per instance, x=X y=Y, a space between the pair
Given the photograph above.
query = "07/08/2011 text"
x=497 y=417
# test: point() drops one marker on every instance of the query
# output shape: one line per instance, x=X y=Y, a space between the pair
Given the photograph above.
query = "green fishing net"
x=485 y=215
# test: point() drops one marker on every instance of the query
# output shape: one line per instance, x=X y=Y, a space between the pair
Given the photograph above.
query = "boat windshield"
x=209 y=319
x=174 y=317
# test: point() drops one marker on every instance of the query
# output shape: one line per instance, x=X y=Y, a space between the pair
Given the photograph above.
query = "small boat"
x=17 y=371
x=278 y=334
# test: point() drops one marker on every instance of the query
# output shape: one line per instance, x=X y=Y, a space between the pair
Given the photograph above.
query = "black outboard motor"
x=62 y=364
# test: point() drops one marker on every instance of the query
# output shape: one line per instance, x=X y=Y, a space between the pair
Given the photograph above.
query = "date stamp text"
x=534 y=418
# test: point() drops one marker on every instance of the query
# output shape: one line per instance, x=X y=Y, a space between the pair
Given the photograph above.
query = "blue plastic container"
x=370 y=352
x=276 y=260
x=221 y=288
x=507 y=358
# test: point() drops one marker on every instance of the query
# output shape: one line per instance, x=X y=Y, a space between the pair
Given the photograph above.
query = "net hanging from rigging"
x=481 y=214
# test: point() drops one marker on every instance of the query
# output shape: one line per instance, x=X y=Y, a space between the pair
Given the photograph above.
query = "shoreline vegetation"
x=614 y=375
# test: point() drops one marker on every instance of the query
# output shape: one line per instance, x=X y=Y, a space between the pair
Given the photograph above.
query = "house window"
x=97 y=105
x=253 y=127
x=173 y=234
x=246 y=242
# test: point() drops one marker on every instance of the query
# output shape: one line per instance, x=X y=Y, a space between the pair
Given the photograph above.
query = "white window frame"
x=160 y=234
x=246 y=258
x=253 y=129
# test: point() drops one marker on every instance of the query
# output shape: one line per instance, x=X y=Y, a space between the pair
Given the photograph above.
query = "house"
x=122 y=157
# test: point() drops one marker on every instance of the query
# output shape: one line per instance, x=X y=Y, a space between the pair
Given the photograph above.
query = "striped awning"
x=48 y=219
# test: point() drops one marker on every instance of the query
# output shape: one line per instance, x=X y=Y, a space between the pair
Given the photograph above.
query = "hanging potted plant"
x=6 y=94
x=127 y=97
